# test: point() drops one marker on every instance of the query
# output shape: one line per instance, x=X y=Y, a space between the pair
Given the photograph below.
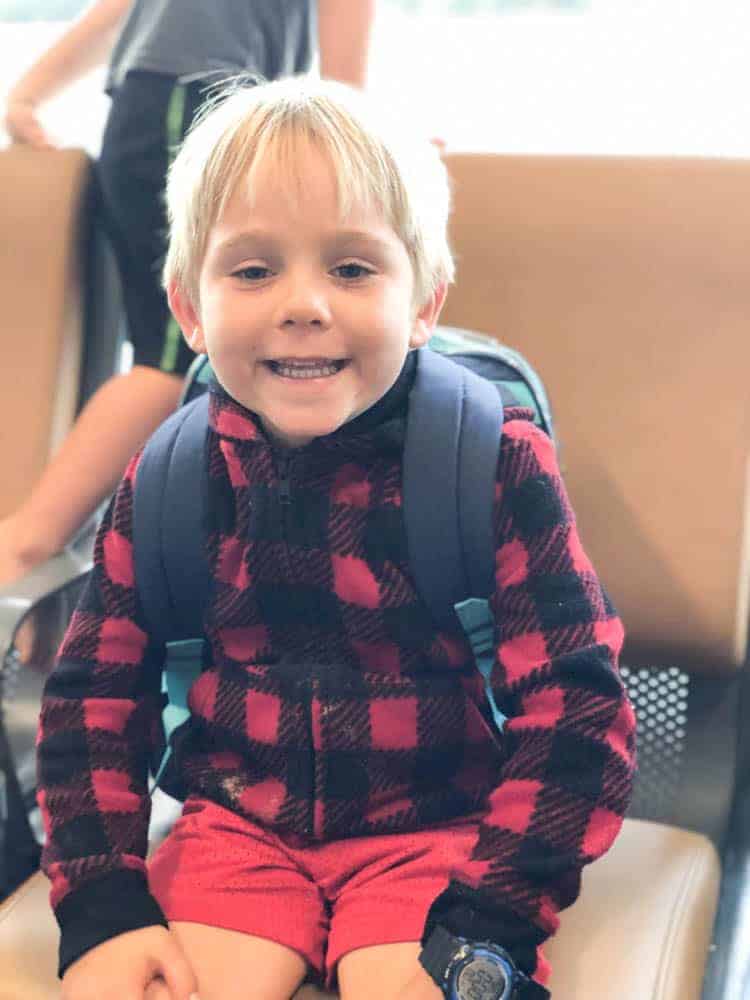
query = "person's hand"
x=23 y=125
x=420 y=987
x=123 y=967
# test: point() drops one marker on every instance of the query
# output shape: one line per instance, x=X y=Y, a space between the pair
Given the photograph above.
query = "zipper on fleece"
x=309 y=693
x=283 y=470
x=284 y=461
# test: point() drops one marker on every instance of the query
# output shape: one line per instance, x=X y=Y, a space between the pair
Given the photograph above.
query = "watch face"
x=482 y=978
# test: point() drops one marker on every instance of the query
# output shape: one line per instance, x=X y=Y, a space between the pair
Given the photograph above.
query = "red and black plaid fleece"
x=332 y=706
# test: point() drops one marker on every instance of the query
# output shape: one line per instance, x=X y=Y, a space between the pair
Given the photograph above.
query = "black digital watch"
x=475 y=970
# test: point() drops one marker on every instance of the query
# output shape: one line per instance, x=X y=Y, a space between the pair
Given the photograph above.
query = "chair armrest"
x=16 y=598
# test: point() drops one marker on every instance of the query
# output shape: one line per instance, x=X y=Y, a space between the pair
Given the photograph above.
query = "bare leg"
x=385 y=970
x=158 y=990
x=230 y=965
x=115 y=422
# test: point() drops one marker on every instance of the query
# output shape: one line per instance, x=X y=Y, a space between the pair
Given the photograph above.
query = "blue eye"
x=255 y=272
x=351 y=272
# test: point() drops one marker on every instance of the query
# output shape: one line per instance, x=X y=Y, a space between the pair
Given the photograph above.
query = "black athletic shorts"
x=149 y=116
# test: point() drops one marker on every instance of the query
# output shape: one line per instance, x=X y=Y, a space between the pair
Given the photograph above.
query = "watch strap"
x=436 y=954
x=528 y=989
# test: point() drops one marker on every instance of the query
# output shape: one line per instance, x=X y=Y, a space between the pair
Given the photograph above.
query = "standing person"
x=350 y=808
x=165 y=56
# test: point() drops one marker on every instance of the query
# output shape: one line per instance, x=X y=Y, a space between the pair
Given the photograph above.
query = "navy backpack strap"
x=450 y=463
x=171 y=568
x=169 y=526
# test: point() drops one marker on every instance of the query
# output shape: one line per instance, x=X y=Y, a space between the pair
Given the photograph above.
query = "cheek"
x=388 y=320
x=228 y=329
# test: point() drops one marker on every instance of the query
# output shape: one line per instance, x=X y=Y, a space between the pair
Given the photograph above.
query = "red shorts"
x=321 y=900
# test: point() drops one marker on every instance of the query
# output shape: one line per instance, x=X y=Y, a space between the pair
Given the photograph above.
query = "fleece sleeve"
x=568 y=739
x=98 y=720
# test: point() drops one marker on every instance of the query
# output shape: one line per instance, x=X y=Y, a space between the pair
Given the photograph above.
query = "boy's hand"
x=123 y=967
x=23 y=125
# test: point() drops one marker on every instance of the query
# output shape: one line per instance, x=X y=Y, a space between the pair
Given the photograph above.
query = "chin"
x=313 y=428
x=309 y=434
x=298 y=437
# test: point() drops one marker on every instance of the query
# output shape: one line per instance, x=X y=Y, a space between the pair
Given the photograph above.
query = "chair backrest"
x=46 y=212
x=625 y=282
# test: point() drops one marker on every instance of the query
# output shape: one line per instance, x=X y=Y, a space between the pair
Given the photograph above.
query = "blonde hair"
x=376 y=159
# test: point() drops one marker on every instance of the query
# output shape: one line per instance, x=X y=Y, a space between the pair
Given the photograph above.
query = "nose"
x=304 y=304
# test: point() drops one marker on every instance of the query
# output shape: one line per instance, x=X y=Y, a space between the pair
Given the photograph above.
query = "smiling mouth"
x=306 y=368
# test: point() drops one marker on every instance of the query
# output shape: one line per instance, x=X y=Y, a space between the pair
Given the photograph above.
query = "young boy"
x=351 y=812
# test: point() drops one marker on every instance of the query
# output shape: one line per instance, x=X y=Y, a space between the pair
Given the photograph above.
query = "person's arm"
x=569 y=736
x=344 y=28
x=99 y=714
x=85 y=44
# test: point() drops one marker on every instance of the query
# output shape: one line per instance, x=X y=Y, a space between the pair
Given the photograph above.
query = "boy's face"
x=306 y=319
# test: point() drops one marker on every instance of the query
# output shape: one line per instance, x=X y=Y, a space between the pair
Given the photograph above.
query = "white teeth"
x=305 y=371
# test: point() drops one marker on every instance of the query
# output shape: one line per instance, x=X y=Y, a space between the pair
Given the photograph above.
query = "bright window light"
x=619 y=77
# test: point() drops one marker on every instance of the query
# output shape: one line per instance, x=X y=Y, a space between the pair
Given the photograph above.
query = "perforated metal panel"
x=660 y=699
x=687 y=726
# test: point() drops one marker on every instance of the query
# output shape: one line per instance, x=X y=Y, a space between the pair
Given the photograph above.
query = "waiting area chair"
x=60 y=339
x=624 y=282
x=43 y=219
x=61 y=329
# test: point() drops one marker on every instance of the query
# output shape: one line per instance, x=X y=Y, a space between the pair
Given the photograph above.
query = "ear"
x=187 y=316
x=426 y=319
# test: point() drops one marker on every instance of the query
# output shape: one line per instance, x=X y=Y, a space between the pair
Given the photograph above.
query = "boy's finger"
x=179 y=978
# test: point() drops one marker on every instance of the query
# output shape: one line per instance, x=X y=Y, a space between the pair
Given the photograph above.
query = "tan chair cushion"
x=28 y=944
x=41 y=235
x=641 y=928
x=625 y=282
x=642 y=925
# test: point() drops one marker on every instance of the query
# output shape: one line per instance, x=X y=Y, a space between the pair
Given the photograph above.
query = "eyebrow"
x=346 y=236
x=242 y=240
x=340 y=238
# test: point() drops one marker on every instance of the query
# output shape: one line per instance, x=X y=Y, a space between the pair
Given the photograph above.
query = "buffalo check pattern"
x=332 y=707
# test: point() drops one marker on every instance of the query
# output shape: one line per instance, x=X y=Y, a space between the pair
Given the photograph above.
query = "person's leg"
x=268 y=968
x=231 y=888
x=149 y=114
x=385 y=970
x=230 y=965
x=116 y=421
x=381 y=889
x=158 y=990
